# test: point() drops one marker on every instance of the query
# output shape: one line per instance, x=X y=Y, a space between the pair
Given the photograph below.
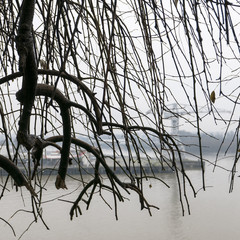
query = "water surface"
x=214 y=213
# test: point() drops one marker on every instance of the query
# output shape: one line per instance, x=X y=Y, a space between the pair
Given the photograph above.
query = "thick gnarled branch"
x=28 y=66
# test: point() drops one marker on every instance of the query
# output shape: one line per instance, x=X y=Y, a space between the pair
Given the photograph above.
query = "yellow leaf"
x=213 y=97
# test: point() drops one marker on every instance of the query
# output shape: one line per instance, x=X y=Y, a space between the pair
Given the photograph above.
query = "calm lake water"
x=214 y=213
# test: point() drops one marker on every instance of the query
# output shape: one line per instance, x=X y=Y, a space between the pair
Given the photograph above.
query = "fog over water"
x=214 y=213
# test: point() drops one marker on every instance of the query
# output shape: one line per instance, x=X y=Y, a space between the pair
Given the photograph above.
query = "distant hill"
x=211 y=143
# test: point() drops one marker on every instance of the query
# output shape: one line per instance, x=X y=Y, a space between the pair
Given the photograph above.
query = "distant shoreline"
x=86 y=170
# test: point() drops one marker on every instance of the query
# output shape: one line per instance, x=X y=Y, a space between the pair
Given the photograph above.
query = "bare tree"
x=87 y=72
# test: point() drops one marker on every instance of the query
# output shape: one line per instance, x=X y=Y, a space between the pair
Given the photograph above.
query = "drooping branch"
x=45 y=90
x=81 y=86
x=64 y=104
x=15 y=173
x=96 y=181
x=92 y=150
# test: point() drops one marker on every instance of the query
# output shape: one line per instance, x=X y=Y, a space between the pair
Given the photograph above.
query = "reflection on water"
x=214 y=213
